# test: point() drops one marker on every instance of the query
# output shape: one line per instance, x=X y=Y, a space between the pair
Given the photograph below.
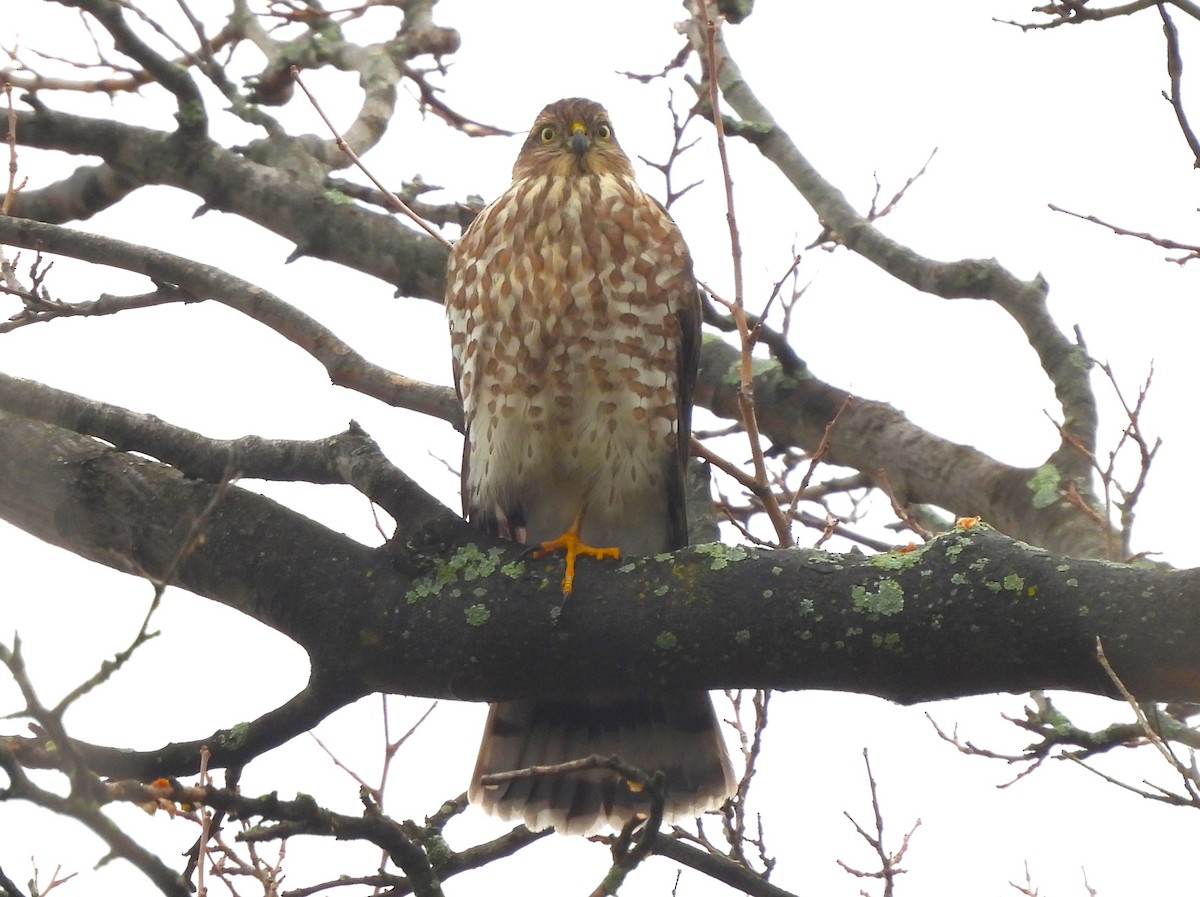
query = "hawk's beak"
x=579 y=141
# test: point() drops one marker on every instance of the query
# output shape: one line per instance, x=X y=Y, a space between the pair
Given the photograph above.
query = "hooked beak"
x=579 y=141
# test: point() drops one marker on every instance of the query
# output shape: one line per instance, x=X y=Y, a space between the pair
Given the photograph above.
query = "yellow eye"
x=603 y=132
x=547 y=135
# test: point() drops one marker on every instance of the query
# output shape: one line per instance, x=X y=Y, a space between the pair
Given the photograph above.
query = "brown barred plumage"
x=574 y=322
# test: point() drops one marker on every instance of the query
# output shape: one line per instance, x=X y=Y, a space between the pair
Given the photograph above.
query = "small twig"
x=678 y=148
x=901 y=512
x=362 y=783
x=55 y=881
x=1188 y=776
x=874 y=213
x=1034 y=759
x=775 y=290
x=206 y=818
x=1193 y=251
x=889 y=861
x=396 y=202
x=1175 y=72
x=819 y=455
x=592 y=761
x=1026 y=888
x=192 y=538
x=10 y=193
x=456 y=120
x=737 y=308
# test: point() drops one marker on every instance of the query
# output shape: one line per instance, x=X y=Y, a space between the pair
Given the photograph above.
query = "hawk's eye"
x=547 y=135
x=603 y=132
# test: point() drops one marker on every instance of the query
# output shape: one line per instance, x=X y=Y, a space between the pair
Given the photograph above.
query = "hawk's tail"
x=676 y=733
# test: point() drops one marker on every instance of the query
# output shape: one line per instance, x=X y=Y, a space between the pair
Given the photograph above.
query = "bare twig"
x=1175 y=72
x=776 y=515
x=1192 y=250
x=13 y=188
x=396 y=202
x=678 y=148
x=819 y=455
x=1191 y=780
x=889 y=861
x=875 y=213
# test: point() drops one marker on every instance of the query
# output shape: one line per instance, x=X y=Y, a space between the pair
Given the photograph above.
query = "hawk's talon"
x=570 y=543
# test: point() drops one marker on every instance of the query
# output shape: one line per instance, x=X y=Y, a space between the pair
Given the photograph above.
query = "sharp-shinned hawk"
x=574 y=322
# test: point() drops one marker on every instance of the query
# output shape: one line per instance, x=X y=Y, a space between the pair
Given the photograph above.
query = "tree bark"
x=441 y=612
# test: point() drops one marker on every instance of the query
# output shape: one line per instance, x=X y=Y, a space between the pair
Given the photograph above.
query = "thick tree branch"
x=291 y=203
x=1025 y=301
x=875 y=438
x=443 y=613
x=352 y=457
x=191 y=114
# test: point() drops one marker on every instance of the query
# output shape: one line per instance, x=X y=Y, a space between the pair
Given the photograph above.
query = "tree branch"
x=286 y=201
x=441 y=612
x=346 y=367
x=1025 y=301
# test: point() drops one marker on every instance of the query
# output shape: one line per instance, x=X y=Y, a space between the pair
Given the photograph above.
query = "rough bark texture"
x=442 y=614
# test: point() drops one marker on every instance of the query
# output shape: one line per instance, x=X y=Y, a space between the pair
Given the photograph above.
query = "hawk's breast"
x=563 y=299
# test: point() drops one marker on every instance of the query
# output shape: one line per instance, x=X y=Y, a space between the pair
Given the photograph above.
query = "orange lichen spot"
x=904 y=549
x=967 y=522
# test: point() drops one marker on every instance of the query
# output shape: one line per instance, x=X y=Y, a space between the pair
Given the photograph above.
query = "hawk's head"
x=572 y=137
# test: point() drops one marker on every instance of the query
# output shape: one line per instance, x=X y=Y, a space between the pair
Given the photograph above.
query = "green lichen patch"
x=235 y=737
x=889 y=640
x=661 y=590
x=758 y=367
x=742 y=636
x=627 y=568
x=886 y=600
x=1013 y=583
x=666 y=640
x=468 y=564
x=1044 y=486
x=954 y=549
x=1079 y=357
x=722 y=555
x=897 y=559
x=513 y=569
x=478 y=614
x=338 y=198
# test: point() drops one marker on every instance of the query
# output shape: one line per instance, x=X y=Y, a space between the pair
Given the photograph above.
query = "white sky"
x=1072 y=117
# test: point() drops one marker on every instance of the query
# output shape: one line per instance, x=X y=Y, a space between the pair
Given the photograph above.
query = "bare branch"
x=1193 y=251
x=1175 y=72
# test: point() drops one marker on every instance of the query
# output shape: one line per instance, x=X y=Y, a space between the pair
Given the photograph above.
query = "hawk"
x=574 y=324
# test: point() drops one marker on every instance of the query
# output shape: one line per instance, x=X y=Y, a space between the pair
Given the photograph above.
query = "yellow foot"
x=570 y=543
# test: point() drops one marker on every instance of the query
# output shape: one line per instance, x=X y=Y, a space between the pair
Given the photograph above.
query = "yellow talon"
x=570 y=543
